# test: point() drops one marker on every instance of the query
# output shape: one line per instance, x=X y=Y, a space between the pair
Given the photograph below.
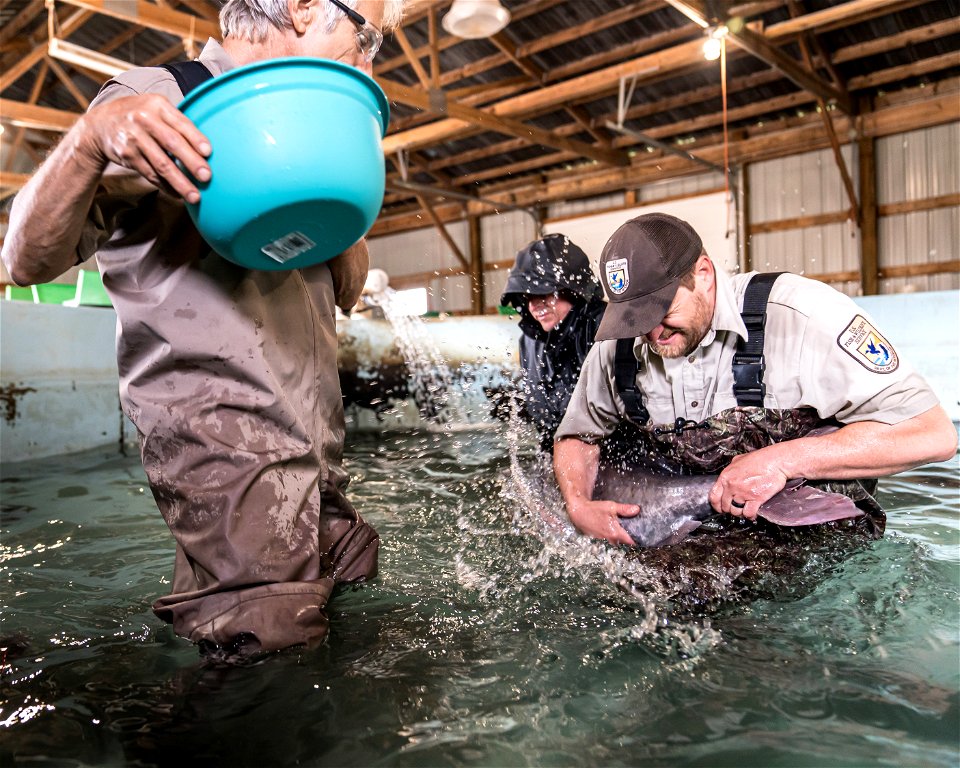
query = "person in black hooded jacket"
x=560 y=303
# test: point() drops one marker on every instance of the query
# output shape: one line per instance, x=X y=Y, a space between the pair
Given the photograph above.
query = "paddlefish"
x=672 y=506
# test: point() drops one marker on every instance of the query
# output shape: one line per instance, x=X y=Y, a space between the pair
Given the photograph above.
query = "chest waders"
x=688 y=447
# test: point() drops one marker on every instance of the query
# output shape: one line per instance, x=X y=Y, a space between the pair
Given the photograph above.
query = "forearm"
x=868 y=449
x=349 y=272
x=47 y=216
x=144 y=133
x=575 y=465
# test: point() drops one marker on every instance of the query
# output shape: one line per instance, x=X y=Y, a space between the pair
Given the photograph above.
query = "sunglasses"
x=369 y=38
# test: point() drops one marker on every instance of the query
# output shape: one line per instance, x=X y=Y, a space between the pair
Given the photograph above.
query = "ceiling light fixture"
x=84 y=57
x=474 y=19
x=714 y=42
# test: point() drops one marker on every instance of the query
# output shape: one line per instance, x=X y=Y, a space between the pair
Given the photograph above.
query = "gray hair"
x=253 y=20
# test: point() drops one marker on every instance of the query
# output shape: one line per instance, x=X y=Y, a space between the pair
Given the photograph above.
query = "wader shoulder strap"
x=189 y=74
x=625 y=368
x=748 y=361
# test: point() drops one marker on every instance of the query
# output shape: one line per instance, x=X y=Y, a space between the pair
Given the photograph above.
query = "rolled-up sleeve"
x=595 y=408
x=850 y=370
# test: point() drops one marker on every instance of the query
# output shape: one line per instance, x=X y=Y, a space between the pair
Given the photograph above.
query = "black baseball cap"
x=640 y=268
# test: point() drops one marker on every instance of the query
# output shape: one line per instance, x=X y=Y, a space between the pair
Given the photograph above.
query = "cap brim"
x=636 y=317
x=516 y=298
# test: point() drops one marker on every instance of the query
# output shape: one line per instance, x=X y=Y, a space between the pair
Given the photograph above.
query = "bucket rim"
x=298 y=61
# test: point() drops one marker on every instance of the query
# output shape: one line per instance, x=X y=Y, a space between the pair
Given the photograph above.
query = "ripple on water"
x=494 y=634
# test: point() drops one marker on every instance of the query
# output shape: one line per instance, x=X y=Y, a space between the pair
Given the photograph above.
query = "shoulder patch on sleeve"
x=867 y=346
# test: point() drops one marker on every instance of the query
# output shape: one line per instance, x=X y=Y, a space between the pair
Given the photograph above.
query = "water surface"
x=489 y=639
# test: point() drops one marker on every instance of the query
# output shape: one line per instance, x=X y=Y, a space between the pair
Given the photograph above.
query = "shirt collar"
x=726 y=315
x=215 y=58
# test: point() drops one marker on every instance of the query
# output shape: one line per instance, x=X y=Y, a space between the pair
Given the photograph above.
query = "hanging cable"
x=726 y=138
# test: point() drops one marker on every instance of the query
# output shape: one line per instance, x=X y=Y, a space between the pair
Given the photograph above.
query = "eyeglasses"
x=369 y=38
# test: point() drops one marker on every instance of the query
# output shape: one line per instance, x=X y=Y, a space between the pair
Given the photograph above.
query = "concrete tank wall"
x=58 y=375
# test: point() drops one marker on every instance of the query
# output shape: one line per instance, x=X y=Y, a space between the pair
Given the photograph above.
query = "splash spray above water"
x=431 y=382
x=539 y=547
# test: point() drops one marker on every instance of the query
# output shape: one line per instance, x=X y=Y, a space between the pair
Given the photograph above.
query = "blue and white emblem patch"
x=867 y=346
x=618 y=277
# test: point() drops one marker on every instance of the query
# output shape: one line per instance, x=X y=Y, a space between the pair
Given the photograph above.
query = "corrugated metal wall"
x=797 y=186
x=916 y=166
x=912 y=166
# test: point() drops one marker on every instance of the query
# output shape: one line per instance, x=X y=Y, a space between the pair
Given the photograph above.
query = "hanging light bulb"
x=714 y=43
x=475 y=18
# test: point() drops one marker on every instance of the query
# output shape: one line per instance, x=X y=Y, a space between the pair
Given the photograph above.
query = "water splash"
x=540 y=547
x=431 y=383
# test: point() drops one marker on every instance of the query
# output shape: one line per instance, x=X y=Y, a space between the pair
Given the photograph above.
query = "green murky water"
x=487 y=640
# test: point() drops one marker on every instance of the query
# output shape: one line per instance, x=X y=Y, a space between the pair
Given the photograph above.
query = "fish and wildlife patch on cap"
x=641 y=267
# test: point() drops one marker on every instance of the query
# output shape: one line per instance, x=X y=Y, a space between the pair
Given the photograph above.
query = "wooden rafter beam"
x=28 y=62
x=553 y=96
x=448 y=41
x=900 y=40
x=22 y=19
x=432 y=36
x=836 y=16
x=411 y=55
x=491 y=122
x=537 y=75
x=152 y=17
x=20 y=135
x=671 y=60
x=759 y=46
x=705 y=93
x=64 y=78
x=37 y=118
x=806 y=40
x=627 y=12
x=805 y=135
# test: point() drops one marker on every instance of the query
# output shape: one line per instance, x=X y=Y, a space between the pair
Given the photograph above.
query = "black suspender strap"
x=748 y=360
x=625 y=368
x=189 y=74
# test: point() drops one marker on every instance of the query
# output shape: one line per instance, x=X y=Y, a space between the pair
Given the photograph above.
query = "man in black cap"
x=560 y=304
x=731 y=375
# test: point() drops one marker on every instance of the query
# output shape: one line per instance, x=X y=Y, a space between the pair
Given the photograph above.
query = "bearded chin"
x=691 y=336
x=671 y=352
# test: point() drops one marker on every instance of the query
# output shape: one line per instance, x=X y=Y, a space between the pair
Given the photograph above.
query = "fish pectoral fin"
x=804 y=505
x=679 y=533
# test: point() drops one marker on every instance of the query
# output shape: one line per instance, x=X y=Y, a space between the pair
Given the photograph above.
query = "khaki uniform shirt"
x=821 y=350
x=230 y=377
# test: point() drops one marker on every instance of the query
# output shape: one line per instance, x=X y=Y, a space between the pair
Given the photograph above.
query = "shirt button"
x=692 y=359
x=694 y=404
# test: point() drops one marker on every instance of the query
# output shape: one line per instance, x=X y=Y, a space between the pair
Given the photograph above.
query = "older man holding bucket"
x=228 y=373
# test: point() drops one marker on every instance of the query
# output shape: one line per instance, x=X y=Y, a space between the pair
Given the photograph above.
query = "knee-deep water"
x=491 y=637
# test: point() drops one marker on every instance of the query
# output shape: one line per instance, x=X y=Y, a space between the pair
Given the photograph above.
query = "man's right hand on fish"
x=601 y=519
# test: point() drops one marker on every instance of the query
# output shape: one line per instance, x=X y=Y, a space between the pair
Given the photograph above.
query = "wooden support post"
x=434 y=49
x=746 y=264
x=478 y=297
x=869 y=263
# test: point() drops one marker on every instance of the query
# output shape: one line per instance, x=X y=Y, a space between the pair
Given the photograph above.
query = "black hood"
x=550 y=265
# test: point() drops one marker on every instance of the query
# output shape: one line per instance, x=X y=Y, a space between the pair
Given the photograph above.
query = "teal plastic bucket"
x=297 y=169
